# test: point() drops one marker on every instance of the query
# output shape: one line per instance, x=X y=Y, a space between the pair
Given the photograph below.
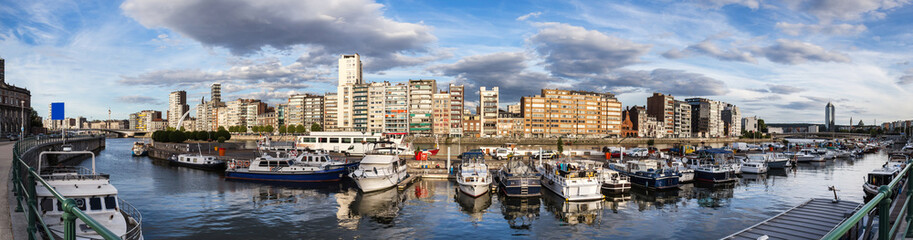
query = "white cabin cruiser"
x=570 y=180
x=755 y=163
x=380 y=169
x=473 y=177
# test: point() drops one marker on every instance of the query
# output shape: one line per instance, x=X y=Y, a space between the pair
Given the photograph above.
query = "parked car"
x=12 y=137
x=501 y=153
x=617 y=154
x=546 y=154
x=477 y=153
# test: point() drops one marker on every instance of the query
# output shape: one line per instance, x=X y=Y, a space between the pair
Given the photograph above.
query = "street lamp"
x=22 y=123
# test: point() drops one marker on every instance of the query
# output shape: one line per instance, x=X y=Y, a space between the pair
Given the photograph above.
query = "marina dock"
x=810 y=220
x=409 y=180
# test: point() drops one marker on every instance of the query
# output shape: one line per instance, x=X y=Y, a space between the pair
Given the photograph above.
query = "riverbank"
x=497 y=141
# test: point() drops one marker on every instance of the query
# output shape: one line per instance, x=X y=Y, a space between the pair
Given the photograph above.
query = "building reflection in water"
x=586 y=212
x=473 y=206
x=713 y=195
x=520 y=212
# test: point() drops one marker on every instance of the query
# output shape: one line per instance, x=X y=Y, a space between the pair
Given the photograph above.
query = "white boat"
x=687 y=173
x=570 y=180
x=379 y=170
x=809 y=155
x=140 y=149
x=350 y=143
x=755 y=163
x=305 y=167
x=778 y=160
x=609 y=179
x=94 y=195
x=878 y=177
x=473 y=177
x=198 y=161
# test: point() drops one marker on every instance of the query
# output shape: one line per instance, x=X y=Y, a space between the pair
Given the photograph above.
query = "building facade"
x=732 y=120
x=420 y=106
x=706 y=119
x=15 y=106
x=144 y=121
x=302 y=109
x=377 y=96
x=330 y=112
x=457 y=104
x=662 y=108
x=510 y=124
x=571 y=113
x=350 y=74
x=682 y=120
x=829 y=112
x=396 y=108
x=750 y=124
x=177 y=106
x=488 y=111
x=440 y=113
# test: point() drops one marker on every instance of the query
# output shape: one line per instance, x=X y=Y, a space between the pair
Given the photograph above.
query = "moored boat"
x=651 y=174
x=878 y=177
x=473 y=177
x=755 y=163
x=379 y=170
x=570 y=180
x=140 y=149
x=518 y=179
x=306 y=167
x=197 y=161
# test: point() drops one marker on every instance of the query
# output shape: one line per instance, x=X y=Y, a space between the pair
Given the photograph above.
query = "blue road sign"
x=57 y=111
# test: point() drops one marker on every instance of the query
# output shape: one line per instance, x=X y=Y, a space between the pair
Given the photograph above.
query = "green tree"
x=223 y=134
x=282 y=129
x=182 y=129
x=212 y=136
x=560 y=146
x=268 y=129
x=177 y=137
x=300 y=129
x=315 y=127
x=255 y=129
x=762 y=126
x=160 y=136
x=36 y=120
x=242 y=129
x=221 y=128
x=221 y=139
x=202 y=135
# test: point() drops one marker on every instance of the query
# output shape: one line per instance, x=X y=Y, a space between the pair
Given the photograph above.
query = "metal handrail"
x=883 y=201
x=25 y=192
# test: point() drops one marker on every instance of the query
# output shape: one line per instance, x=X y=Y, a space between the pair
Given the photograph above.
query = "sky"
x=779 y=60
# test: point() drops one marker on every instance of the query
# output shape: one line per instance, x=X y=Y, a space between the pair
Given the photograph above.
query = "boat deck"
x=810 y=220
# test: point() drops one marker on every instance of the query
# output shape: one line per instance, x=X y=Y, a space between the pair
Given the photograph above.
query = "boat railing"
x=26 y=178
x=855 y=228
x=134 y=214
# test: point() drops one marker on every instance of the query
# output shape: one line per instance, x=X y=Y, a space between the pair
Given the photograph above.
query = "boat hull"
x=331 y=175
x=474 y=190
x=584 y=192
x=215 y=166
x=616 y=187
x=520 y=187
x=370 y=184
x=687 y=176
x=138 y=153
x=655 y=183
x=714 y=177
x=777 y=164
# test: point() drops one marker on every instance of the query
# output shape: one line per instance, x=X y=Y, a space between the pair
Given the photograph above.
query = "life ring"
x=231 y=165
x=245 y=164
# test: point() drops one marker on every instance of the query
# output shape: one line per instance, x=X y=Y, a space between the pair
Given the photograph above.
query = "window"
x=334 y=140
x=322 y=140
x=346 y=140
x=81 y=203
x=47 y=204
x=95 y=203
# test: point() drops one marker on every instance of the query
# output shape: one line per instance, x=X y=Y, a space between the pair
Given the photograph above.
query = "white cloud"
x=795 y=52
x=571 y=50
x=798 y=29
x=529 y=15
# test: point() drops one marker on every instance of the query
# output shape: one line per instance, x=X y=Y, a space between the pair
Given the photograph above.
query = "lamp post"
x=22 y=122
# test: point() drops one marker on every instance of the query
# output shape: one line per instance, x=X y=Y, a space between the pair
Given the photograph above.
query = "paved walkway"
x=7 y=200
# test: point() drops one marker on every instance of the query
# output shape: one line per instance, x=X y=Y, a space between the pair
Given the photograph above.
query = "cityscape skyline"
x=781 y=62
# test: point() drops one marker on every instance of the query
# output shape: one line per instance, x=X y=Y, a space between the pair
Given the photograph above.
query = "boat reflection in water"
x=473 y=206
x=520 y=213
x=647 y=199
x=713 y=195
x=380 y=206
x=586 y=212
x=617 y=201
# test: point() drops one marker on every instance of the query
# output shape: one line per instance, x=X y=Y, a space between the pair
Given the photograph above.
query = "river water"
x=181 y=203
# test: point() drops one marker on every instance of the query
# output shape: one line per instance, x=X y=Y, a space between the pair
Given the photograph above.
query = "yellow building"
x=557 y=113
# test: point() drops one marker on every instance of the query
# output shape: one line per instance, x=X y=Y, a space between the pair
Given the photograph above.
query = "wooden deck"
x=409 y=180
x=810 y=220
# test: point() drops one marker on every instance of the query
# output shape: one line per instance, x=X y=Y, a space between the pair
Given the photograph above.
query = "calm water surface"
x=181 y=203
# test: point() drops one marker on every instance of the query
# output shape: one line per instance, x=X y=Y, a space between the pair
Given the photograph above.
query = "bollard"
x=69 y=219
x=884 y=213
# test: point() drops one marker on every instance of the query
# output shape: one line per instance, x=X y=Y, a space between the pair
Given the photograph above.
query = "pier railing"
x=860 y=224
x=26 y=178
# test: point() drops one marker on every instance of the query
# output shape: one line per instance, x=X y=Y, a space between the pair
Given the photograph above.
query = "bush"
x=201 y=136
x=161 y=136
x=282 y=129
x=177 y=137
x=221 y=139
x=212 y=136
x=300 y=129
x=223 y=134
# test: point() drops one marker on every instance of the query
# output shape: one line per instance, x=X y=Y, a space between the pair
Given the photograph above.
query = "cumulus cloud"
x=529 y=15
x=136 y=99
x=784 y=89
x=825 y=10
x=245 y=27
x=829 y=29
x=907 y=78
x=570 y=50
x=707 y=47
x=506 y=70
x=807 y=105
x=267 y=73
x=669 y=81
x=795 y=52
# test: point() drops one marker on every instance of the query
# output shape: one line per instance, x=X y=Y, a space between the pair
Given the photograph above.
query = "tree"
x=202 y=135
x=268 y=129
x=160 y=136
x=255 y=129
x=300 y=129
x=223 y=134
x=182 y=129
x=221 y=128
x=177 y=137
x=211 y=136
x=560 y=146
x=315 y=127
x=242 y=129
x=282 y=129
x=762 y=126
x=36 y=120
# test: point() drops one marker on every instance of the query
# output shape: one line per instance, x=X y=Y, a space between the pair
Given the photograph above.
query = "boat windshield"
x=880 y=179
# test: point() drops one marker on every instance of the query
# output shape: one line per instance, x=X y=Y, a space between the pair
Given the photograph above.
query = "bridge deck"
x=810 y=220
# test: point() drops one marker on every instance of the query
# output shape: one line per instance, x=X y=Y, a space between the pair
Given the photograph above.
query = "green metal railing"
x=883 y=202
x=25 y=179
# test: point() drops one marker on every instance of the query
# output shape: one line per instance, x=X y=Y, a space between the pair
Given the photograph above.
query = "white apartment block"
x=330 y=112
x=350 y=74
x=396 y=108
x=488 y=111
x=440 y=113
x=420 y=106
x=177 y=106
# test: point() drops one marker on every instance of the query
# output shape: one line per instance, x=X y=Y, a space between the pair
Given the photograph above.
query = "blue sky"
x=779 y=60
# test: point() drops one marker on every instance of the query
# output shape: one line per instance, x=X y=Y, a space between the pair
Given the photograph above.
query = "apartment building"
x=682 y=120
x=662 y=108
x=302 y=109
x=440 y=113
x=571 y=113
x=488 y=111
x=732 y=120
x=177 y=106
x=350 y=74
x=396 y=108
x=457 y=103
x=420 y=106
x=706 y=119
x=330 y=112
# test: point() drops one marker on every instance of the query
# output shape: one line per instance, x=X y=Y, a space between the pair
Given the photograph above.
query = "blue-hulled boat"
x=649 y=174
x=518 y=179
x=305 y=167
x=713 y=166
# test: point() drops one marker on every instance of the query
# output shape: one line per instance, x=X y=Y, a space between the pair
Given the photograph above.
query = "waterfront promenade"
x=7 y=200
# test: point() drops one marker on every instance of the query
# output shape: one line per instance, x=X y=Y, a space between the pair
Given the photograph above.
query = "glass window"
x=371 y=139
x=47 y=204
x=334 y=140
x=323 y=140
x=358 y=140
x=310 y=140
x=95 y=203
x=59 y=206
x=346 y=140
x=81 y=203
x=110 y=202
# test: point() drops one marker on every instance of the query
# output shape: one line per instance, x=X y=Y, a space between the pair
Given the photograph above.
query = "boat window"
x=325 y=159
x=334 y=140
x=371 y=139
x=309 y=140
x=47 y=204
x=110 y=202
x=358 y=140
x=81 y=203
x=59 y=207
x=95 y=203
x=346 y=140
x=323 y=140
